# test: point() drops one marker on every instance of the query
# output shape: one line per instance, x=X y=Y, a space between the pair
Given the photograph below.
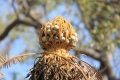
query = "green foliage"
x=2 y=26
x=102 y=19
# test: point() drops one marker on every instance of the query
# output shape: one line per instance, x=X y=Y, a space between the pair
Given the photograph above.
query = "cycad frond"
x=6 y=61
x=1 y=75
x=90 y=70
x=54 y=66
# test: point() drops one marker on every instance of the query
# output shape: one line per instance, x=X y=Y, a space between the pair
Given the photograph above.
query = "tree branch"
x=89 y=52
x=14 y=24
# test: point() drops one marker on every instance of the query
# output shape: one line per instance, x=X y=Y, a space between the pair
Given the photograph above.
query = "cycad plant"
x=56 y=38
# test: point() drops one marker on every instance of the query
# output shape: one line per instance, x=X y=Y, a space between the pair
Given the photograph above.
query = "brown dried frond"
x=6 y=61
x=55 y=66
x=57 y=37
x=1 y=75
x=92 y=73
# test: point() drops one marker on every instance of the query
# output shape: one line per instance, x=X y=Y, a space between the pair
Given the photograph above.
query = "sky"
x=19 y=45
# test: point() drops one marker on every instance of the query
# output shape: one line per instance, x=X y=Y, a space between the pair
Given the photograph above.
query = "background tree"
x=96 y=21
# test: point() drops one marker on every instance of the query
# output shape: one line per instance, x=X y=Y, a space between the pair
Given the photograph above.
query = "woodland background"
x=97 y=23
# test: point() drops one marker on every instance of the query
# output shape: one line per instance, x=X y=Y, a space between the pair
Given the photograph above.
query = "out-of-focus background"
x=97 y=23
